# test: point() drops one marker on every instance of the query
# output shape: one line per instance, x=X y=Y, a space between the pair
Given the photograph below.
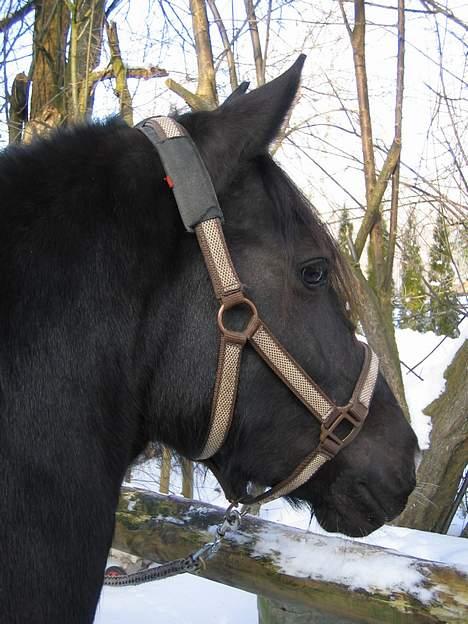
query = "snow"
x=188 y=599
x=413 y=347
x=459 y=521
x=431 y=546
x=185 y=599
x=329 y=561
x=410 y=542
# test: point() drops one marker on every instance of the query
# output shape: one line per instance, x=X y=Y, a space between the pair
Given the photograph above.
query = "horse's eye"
x=314 y=273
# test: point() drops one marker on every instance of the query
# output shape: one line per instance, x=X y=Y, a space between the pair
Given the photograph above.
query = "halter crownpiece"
x=200 y=212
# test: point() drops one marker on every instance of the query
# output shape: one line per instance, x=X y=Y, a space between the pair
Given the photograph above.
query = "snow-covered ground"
x=191 y=600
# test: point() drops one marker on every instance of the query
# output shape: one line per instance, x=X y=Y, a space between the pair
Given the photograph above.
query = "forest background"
x=377 y=141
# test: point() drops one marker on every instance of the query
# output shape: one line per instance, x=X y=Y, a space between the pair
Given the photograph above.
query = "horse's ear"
x=244 y=126
x=241 y=89
x=256 y=117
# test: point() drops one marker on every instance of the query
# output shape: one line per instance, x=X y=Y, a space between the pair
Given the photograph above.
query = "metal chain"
x=193 y=563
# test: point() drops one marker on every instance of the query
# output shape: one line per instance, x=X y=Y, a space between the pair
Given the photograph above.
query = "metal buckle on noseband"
x=228 y=290
x=351 y=414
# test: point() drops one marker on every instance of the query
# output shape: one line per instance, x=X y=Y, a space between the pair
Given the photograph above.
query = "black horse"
x=108 y=340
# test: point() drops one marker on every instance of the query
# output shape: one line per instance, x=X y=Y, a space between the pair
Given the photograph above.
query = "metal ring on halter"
x=249 y=329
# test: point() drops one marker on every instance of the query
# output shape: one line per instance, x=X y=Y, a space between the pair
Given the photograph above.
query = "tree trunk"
x=187 y=478
x=377 y=323
x=442 y=466
x=165 y=474
x=18 y=113
x=86 y=29
x=206 y=71
x=120 y=73
x=48 y=93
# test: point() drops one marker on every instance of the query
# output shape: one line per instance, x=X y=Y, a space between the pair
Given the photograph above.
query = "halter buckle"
x=354 y=414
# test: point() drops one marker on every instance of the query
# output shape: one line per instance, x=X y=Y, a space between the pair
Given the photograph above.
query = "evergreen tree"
x=345 y=232
x=413 y=293
x=442 y=299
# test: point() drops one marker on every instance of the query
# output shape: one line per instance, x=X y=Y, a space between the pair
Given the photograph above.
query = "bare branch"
x=327 y=173
x=373 y=205
x=444 y=10
x=343 y=107
x=16 y=16
x=388 y=270
x=358 y=45
x=193 y=100
x=256 y=45
x=345 y=19
x=89 y=52
x=267 y=37
x=73 y=57
x=153 y=71
x=227 y=46
x=112 y=7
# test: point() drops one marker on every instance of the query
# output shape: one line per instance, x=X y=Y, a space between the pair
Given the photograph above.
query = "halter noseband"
x=201 y=213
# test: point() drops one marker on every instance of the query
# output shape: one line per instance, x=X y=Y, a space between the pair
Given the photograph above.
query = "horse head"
x=293 y=271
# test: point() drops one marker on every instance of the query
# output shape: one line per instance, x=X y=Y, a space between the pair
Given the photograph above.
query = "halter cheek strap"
x=200 y=212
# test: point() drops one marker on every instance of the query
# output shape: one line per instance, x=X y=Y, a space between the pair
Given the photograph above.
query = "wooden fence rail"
x=321 y=573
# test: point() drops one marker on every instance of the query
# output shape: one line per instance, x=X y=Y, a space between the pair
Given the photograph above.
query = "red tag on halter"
x=169 y=181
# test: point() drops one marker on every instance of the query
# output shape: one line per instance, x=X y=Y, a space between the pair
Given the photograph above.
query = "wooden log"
x=294 y=566
x=274 y=612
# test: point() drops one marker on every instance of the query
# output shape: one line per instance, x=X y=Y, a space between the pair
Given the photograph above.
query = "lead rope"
x=195 y=562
